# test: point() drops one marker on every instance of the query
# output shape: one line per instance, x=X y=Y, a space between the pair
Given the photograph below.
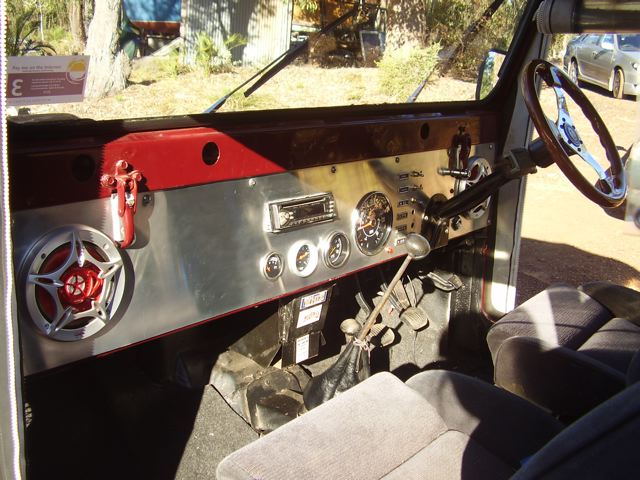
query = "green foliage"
x=235 y=40
x=22 y=27
x=54 y=13
x=172 y=64
x=447 y=20
x=61 y=40
x=211 y=58
x=308 y=6
x=403 y=69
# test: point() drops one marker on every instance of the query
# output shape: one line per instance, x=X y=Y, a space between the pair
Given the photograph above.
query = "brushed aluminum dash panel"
x=199 y=250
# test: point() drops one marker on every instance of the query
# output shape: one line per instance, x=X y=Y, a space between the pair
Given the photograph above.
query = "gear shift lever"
x=417 y=248
x=352 y=366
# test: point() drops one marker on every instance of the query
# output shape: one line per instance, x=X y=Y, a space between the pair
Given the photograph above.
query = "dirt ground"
x=565 y=237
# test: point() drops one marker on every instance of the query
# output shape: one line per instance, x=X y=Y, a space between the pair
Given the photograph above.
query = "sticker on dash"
x=309 y=316
x=302 y=348
x=313 y=299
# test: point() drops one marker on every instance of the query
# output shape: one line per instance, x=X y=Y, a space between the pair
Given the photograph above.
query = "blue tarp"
x=153 y=10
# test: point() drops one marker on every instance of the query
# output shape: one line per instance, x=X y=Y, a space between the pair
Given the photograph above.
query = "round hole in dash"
x=424 y=131
x=83 y=168
x=210 y=153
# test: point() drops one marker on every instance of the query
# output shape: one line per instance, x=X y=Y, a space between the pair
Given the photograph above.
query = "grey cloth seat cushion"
x=383 y=428
x=560 y=315
x=564 y=350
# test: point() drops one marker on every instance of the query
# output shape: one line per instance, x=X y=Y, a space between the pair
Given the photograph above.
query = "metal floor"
x=107 y=421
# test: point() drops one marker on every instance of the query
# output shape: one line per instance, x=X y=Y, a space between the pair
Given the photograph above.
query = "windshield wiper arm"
x=221 y=101
x=284 y=59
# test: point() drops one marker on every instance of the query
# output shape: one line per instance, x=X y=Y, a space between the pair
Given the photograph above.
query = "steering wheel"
x=562 y=139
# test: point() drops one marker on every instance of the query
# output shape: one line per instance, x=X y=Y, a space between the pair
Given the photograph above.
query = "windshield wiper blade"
x=284 y=59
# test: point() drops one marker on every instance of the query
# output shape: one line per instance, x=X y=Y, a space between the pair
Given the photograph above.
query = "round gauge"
x=303 y=258
x=272 y=266
x=374 y=218
x=336 y=250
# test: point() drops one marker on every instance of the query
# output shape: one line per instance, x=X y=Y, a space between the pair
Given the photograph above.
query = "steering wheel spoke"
x=562 y=139
x=561 y=100
x=593 y=163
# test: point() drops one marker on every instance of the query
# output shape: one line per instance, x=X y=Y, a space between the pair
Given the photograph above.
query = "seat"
x=442 y=425
x=568 y=349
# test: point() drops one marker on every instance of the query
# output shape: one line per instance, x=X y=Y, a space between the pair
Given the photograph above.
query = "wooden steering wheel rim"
x=551 y=75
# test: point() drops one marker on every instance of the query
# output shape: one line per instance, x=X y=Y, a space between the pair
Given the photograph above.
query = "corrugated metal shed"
x=265 y=23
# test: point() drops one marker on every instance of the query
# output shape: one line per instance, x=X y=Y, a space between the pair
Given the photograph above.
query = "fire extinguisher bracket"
x=124 y=194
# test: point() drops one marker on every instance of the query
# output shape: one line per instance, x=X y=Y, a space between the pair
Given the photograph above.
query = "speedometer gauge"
x=374 y=218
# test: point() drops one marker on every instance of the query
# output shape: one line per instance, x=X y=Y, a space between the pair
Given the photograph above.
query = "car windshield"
x=629 y=42
x=347 y=53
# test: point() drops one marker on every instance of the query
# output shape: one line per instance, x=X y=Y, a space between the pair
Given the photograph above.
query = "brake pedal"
x=414 y=318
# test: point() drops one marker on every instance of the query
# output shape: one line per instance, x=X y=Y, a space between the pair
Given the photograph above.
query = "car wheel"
x=618 y=83
x=573 y=72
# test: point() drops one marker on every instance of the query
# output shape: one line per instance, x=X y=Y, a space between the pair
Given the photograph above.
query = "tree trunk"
x=406 y=20
x=76 y=22
x=109 y=67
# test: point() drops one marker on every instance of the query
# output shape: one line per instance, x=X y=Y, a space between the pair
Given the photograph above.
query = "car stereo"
x=299 y=212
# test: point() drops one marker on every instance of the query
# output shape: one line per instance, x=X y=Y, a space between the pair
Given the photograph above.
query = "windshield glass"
x=181 y=60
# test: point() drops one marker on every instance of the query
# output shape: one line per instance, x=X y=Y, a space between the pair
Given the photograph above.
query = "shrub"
x=447 y=20
x=403 y=69
x=211 y=58
x=173 y=64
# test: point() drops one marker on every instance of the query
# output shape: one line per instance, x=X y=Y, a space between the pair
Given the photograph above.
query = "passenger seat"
x=569 y=349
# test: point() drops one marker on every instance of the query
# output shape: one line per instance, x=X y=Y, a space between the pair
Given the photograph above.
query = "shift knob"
x=417 y=246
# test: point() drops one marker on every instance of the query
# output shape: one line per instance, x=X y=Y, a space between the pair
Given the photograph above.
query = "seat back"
x=602 y=444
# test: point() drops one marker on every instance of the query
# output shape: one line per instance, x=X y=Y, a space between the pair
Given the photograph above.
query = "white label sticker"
x=302 y=348
x=313 y=299
x=309 y=316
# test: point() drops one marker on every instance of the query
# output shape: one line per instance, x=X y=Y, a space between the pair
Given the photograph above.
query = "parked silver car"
x=607 y=60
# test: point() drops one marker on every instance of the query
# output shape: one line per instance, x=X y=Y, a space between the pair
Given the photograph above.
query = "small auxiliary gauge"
x=336 y=250
x=272 y=266
x=303 y=258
